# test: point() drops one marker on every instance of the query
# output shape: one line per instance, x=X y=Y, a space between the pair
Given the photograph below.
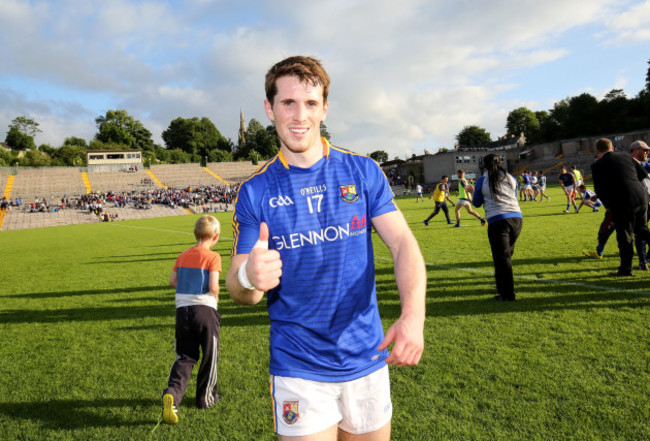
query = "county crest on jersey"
x=349 y=193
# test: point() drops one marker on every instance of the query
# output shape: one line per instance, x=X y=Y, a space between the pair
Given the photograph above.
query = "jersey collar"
x=326 y=152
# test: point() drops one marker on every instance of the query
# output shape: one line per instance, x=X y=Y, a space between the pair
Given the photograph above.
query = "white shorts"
x=462 y=202
x=305 y=407
x=568 y=188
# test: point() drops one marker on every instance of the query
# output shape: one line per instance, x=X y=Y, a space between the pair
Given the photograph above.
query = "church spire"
x=241 y=137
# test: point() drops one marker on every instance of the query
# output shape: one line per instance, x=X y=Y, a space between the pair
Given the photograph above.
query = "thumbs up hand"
x=264 y=267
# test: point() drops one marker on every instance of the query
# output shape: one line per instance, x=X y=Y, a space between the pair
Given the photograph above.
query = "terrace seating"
x=183 y=175
x=116 y=181
x=47 y=182
x=3 y=181
x=233 y=171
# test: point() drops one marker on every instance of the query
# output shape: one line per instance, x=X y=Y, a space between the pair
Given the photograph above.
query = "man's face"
x=297 y=109
x=640 y=155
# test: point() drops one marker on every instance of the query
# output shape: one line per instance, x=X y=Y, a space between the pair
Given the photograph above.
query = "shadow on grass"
x=79 y=414
x=86 y=292
x=232 y=315
x=529 y=299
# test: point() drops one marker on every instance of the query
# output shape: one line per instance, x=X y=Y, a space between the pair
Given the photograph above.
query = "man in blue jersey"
x=302 y=233
x=568 y=183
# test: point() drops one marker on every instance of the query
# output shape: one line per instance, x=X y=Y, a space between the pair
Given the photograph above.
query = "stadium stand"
x=47 y=182
x=116 y=181
x=232 y=171
x=183 y=175
x=20 y=219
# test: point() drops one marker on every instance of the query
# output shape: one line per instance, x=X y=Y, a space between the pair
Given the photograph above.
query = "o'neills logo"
x=332 y=233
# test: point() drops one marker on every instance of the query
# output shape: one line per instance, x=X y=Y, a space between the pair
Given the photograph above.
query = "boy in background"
x=196 y=279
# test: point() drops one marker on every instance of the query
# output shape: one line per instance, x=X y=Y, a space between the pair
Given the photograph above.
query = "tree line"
x=186 y=140
x=579 y=116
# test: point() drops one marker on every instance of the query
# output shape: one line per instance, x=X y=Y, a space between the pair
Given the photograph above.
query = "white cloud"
x=631 y=26
x=405 y=76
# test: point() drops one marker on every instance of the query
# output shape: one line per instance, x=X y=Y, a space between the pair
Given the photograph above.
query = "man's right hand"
x=264 y=266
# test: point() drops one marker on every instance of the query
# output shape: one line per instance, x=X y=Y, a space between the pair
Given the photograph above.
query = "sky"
x=406 y=76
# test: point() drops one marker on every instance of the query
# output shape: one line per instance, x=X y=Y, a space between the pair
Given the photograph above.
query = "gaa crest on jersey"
x=290 y=412
x=349 y=193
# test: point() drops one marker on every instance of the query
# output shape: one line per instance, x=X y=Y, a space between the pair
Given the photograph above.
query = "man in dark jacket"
x=617 y=182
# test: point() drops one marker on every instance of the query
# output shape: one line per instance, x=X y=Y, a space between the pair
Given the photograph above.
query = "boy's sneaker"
x=426 y=223
x=566 y=211
x=449 y=222
x=643 y=266
x=170 y=413
x=592 y=254
x=457 y=226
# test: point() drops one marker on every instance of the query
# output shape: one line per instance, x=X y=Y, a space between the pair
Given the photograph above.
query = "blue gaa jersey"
x=325 y=324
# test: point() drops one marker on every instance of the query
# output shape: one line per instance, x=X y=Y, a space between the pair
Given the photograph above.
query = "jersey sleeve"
x=382 y=199
x=246 y=219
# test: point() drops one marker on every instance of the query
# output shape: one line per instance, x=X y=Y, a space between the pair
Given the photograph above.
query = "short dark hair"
x=604 y=145
x=305 y=68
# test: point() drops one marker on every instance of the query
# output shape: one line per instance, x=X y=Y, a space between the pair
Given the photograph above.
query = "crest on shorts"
x=290 y=412
x=349 y=193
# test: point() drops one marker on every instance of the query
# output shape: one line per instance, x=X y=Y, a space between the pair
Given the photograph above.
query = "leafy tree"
x=324 y=132
x=647 y=78
x=35 y=158
x=73 y=140
x=195 y=136
x=559 y=116
x=18 y=140
x=613 y=112
x=71 y=155
x=219 y=156
x=473 y=136
x=25 y=125
x=178 y=156
x=582 y=117
x=260 y=140
x=118 y=127
x=5 y=158
x=100 y=145
x=47 y=149
x=523 y=120
x=380 y=156
x=161 y=154
x=546 y=128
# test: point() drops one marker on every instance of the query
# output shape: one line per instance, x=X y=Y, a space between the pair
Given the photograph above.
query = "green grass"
x=87 y=328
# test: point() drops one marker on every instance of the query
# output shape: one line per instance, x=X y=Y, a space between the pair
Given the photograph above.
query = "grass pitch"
x=87 y=329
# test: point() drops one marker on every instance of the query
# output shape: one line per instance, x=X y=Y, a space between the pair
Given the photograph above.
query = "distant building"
x=113 y=160
x=470 y=159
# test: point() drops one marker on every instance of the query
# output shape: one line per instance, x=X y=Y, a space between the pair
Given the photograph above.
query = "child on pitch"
x=196 y=279
x=464 y=199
